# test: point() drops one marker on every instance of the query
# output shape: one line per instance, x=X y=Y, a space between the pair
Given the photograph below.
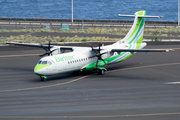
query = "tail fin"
x=135 y=34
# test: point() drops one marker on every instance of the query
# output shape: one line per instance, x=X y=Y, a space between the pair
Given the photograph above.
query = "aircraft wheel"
x=101 y=72
x=42 y=78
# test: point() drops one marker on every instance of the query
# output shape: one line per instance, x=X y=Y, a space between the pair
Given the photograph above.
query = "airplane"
x=92 y=58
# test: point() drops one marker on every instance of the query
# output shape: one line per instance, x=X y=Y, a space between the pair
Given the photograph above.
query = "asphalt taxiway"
x=144 y=87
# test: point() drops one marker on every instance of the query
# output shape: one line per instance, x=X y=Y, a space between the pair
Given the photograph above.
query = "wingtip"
x=170 y=50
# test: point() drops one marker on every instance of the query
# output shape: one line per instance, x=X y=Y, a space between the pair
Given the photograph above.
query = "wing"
x=72 y=47
x=29 y=45
x=141 y=50
x=44 y=46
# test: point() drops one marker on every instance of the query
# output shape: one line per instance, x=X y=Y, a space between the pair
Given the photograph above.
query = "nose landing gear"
x=43 y=78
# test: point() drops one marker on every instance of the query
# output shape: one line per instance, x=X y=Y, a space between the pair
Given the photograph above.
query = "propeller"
x=48 y=50
x=98 y=54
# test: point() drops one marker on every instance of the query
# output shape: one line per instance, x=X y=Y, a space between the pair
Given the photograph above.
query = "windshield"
x=45 y=62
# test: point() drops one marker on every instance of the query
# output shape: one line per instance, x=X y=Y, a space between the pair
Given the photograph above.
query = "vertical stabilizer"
x=135 y=34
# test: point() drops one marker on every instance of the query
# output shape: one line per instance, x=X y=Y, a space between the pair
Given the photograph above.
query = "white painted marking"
x=172 y=83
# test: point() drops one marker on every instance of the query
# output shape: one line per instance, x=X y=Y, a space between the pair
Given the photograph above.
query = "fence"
x=36 y=23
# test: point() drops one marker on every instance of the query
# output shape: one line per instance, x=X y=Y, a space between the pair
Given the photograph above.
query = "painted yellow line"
x=19 y=55
x=103 y=116
x=47 y=85
x=172 y=48
x=87 y=76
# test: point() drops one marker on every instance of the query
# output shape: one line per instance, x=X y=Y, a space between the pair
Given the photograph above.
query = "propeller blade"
x=49 y=46
x=52 y=51
x=93 y=49
x=104 y=61
x=98 y=54
x=96 y=64
x=99 y=48
x=48 y=50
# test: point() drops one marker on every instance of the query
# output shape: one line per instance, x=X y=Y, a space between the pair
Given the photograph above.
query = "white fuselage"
x=76 y=60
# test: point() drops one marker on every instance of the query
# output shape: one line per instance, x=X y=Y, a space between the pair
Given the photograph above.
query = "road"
x=144 y=87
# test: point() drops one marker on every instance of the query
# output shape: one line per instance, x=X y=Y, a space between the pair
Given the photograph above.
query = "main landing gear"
x=101 y=71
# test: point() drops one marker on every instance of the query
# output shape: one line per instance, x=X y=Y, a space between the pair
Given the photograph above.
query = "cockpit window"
x=48 y=62
x=45 y=62
x=40 y=62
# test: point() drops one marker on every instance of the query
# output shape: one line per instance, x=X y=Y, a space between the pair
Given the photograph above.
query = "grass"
x=174 y=32
x=45 y=39
x=154 y=33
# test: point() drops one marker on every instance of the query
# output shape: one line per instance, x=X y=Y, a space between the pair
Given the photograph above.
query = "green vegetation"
x=45 y=39
x=165 y=32
x=154 y=38
x=154 y=33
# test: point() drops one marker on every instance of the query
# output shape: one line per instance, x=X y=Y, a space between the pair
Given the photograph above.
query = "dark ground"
x=136 y=89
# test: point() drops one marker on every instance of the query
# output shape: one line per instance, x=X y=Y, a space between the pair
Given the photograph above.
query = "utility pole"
x=72 y=11
x=178 y=12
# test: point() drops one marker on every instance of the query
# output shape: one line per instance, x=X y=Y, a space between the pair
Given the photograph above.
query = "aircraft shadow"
x=65 y=76
x=74 y=75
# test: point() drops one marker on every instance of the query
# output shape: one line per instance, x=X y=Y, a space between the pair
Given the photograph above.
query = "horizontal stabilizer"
x=140 y=16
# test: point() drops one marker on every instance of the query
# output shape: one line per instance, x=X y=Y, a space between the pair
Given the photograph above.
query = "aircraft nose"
x=39 y=69
x=42 y=67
